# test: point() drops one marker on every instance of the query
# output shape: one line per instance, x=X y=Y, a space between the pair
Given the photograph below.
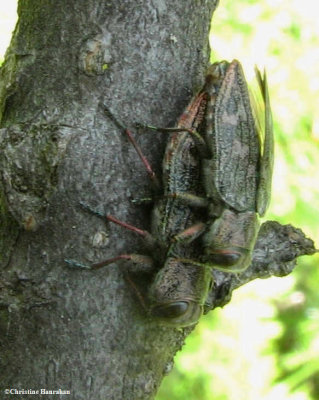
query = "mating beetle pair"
x=237 y=159
x=214 y=160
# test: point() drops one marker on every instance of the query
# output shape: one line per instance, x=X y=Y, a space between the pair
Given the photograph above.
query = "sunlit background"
x=265 y=344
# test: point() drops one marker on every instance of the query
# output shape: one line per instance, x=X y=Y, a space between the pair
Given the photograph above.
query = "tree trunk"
x=76 y=330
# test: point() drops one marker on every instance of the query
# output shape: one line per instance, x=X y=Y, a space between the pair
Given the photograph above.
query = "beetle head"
x=178 y=293
x=215 y=75
x=179 y=314
x=229 y=242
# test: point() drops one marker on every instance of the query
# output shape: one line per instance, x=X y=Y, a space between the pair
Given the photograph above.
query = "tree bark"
x=77 y=330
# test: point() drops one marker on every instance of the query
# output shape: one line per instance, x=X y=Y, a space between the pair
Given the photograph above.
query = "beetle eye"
x=172 y=310
x=225 y=259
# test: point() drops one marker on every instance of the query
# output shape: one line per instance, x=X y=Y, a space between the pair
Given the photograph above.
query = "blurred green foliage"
x=264 y=345
x=8 y=15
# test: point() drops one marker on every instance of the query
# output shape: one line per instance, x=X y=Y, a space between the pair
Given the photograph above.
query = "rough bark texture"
x=74 y=330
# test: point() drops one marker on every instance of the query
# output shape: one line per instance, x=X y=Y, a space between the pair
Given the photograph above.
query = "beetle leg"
x=141 y=232
x=144 y=160
x=149 y=239
x=189 y=199
x=190 y=234
x=197 y=137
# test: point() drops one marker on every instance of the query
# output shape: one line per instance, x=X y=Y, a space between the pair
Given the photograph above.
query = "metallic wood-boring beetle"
x=237 y=176
x=178 y=290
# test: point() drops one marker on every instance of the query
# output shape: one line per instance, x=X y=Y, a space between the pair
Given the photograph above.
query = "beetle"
x=237 y=176
x=178 y=291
